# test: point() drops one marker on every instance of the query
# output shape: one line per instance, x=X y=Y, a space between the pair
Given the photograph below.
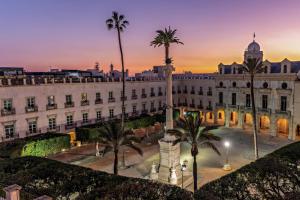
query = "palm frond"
x=136 y=148
x=107 y=149
x=210 y=145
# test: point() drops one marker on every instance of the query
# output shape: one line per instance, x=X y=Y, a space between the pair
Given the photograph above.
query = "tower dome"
x=253 y=46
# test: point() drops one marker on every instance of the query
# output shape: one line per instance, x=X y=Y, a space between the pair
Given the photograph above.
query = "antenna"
x=254 y=36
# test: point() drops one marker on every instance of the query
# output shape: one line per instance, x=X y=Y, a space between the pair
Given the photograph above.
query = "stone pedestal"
x=12 y=192
x=169 y=158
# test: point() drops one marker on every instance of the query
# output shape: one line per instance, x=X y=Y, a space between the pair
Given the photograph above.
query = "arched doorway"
x=221 y=117
x=283 y=127
x=233 y=119
x=209 y=118
x=264 y=123
x=248 y=121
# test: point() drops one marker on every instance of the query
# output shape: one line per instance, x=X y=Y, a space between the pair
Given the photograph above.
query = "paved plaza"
x=209 y=163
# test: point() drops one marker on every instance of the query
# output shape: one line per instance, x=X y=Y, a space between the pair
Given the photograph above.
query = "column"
x=240 y=120
x=291 y=130
x=12 y=192
x=273 y=125
x=227 y=118
x=215 y=116
x=169 y=99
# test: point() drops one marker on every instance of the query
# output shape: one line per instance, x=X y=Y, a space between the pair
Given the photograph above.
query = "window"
x=284 y=85
x=220 y=115
x=220 y=97
x=85 y=117
x=159 y=89
x=152 y=105
x=209 y=104
x=111 y=113
x=110 y=95
x=69 y=120
x=159 y=104
x=32 y=127
x=9 y=131
x=200 y=103
x=52 y=123
x=285 y=69
x=234 y=70
x=144 y=106
x=265 y=101
x=143 y=91
x=265 y=85
x=234 y=84
x=221 y=84
x=99 y=115
x=30 y=102
x=98 y=96
x=51 y=100
x=248 y=100
x=248 y=84
x=7 y=104
x=152 y=90
x=283 y=103
x=134 y=108
x=210 y=115
x=265 y=69
x=233 y=99
x=133 y=92
x=84 y=97
x=69 y=99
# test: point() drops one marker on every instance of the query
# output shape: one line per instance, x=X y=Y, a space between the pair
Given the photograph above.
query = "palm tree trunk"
x=123 y=82
x=166 y=53
x=195 y=173
x=254 y=117
x=116 y=162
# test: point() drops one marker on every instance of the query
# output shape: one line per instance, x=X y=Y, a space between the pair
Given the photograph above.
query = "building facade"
x=33 y=105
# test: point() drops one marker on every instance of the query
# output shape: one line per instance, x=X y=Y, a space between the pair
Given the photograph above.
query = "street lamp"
x=183 y=168
x=227 y=166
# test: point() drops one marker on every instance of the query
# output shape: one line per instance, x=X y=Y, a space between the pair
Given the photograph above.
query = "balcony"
x=85 y=103
x=144 y=96
x=36 y=132
x=6 y=112
x=160 y=93
x=123 y=98
x=30 y=109
x=200 y=106
x=192 y=91
x=153 y=110
x=233 y=106
x=265 y=110
x=184 y=104
x=99 y=101
x=134 y=113
x=86 y=122
x=209 y=108
x=283 y=112
x=200 y=92
x=134 y=97
x=70 y=126
x=54 y=129
x=10 y=137
x=179 y=91
x=69 y=104
x=111 y=100
x=152 y=94
x=145 y=111
x=173 y=92
x=185 y=91
x=51 y=106
x=209 y=93
x=192 y=105
x=246 y=107
x=220 y=105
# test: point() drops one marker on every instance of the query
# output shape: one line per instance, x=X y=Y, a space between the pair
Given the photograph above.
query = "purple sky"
x=37 y=34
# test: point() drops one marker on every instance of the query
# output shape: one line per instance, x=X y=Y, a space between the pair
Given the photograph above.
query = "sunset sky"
x=37 y=34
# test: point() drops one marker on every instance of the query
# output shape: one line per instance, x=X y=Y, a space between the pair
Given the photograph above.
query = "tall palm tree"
x=119 y=23
x=189 y=129
x=113 y=138
x=253 y=66
x=166 y=37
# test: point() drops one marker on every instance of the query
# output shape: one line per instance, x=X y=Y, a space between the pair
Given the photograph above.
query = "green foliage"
x=39 y=176
x=275 y=176
x=176 y=114
x=92 y=133
x=40 y=145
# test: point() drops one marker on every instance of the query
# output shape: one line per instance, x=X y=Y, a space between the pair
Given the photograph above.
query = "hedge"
x=275 y=176
x=91 y=133
x=41 y=176
x=39 y=145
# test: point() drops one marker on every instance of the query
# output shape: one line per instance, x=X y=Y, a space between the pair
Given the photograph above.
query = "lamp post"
x=227 y=166
x=183 y=168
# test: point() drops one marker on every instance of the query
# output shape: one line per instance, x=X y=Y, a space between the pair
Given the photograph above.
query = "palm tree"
x=119 y=23
x=166 y=38
x=253 y=66
x=189 y=129
x=113 y=138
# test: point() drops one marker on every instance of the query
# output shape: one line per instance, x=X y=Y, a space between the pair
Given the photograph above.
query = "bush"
x=275 y=176
x=41 y=176
x=40 y=145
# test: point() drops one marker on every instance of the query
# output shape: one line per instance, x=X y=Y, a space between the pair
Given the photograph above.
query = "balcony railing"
x=36 y=132
x=86 y=122
x=6 y=112
x=152 y=94
x=70 y=126
x=145 y=111
x=144 y=96
x=221 y=105
x=185 y=91
x=69 y=104
x=265 y=110
x=133 y=97
x=10 y=137
x=193 y=92
x=184 y=104
x=179 y=91
x=233 y=106
x=51 y=106
x=85 y=103
x=200 y=92
x=209 y=108
x=246 y=107
x=283 y=112
x=160 y=93
x=200 y=106
x=153 y=110
x=209 y=93
x=99 y=101
x=54 y=129
x=192 y=105
x=30 y=109
x=111 y=100
x=125 y=98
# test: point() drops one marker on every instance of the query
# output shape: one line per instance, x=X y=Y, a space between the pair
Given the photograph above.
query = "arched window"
x=234 y=70
x=285 y=69
x=221 y=84
x=284 y=85
x=234 y=84
x=266 y=70
x=248 y=85
x=265 y=85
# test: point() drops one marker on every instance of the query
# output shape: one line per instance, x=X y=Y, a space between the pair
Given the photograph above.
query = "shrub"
x=275 y=176
x=40 y=145
x=39 y=176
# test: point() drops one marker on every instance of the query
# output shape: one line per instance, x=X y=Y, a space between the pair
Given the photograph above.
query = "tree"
x=253 y=66
x=166 y=38
x=113 y=138
x=189 y=129
x=119 y=23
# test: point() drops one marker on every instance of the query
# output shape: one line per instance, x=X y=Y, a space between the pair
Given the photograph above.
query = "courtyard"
x=209 y=164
